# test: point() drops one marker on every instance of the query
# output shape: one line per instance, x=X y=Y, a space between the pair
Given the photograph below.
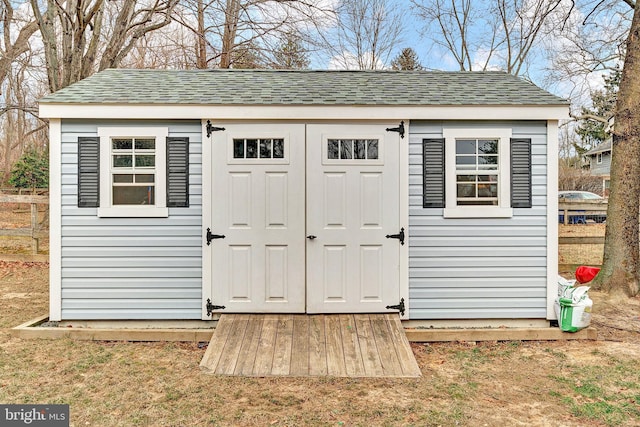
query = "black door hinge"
x=399 y=129
x=399 y=236
x=399 y=307
x=211 y=307
x=210 y=236
x=211 y=128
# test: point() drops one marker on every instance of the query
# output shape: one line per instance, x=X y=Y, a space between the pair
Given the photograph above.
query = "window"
x=599 y=158
x=477 y=173
x=358 y=149
x=262 y=148
x=133 y=172
x=259 y=148
x=355 y=149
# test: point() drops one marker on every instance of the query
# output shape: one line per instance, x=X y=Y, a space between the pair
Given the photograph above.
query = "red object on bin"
x=586 y=274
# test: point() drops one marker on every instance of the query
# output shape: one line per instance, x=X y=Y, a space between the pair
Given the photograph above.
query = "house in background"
x=177 y=194
x=600 y=163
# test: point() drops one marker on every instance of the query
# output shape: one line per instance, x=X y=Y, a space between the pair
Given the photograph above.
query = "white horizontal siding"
x=131 y=268
x=470 y=268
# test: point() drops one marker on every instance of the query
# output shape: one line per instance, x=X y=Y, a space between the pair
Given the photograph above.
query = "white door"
x=353 y=203
x=258 y=195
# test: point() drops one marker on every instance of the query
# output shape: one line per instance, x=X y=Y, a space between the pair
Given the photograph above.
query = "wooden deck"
x=341 y=345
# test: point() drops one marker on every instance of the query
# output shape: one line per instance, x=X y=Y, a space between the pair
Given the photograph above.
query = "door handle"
x=311 y=237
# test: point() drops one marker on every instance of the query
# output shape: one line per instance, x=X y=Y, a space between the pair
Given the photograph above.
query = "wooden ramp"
x=340 y=345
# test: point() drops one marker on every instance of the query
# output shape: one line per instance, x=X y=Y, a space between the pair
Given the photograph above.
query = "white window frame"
x=503 y=209
x=599 y=158
x=159 y=209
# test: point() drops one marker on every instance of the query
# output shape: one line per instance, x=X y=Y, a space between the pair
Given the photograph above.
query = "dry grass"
x=160 y=384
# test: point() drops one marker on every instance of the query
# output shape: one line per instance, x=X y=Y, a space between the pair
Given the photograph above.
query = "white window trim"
x=599 y=158
x=503 y=210
x=106 y=209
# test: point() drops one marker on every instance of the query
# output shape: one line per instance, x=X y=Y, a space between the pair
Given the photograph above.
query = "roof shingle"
x=281 y=87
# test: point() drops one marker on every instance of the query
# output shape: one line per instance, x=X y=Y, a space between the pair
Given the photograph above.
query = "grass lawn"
x=160 y=384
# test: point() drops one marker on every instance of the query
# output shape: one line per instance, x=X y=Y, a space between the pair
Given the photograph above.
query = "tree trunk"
x=201 y=48
x=620 y=270
x=232 y=15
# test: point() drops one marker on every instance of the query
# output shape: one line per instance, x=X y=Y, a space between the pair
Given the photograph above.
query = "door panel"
x=352 y=204
x=258 y=204
x=275 y=184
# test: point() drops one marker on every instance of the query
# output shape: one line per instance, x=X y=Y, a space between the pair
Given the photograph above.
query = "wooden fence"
x=582 y=212
x=34 y=232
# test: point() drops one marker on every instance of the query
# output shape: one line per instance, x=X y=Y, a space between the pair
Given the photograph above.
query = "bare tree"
x=13 y=47
x=78 y=41
x=503 y=36
x=367 y=32
x=223 y=26
x=588 y=41
x=449 y=22
x=621 y=266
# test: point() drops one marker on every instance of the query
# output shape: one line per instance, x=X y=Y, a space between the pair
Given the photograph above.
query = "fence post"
x=34 y=229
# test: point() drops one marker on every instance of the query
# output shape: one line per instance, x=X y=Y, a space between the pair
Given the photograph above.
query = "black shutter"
x=521 y=173
x=88 y=172
x=433 y=172
x=177 y=172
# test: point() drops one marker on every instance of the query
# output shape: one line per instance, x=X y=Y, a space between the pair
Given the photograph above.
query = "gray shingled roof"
x=600 y=148
x=276 y=87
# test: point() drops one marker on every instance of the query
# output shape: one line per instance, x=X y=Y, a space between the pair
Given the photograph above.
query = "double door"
x=305 y=210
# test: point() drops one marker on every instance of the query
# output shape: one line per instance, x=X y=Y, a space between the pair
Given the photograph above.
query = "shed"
x=178 y=194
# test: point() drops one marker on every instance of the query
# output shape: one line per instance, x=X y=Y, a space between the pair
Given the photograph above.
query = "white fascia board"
x=305 y=112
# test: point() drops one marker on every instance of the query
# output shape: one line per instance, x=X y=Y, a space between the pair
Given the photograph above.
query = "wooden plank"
x=300 y=346
x=407 y=359
x=23 y=232
x=6 y=198
x=317 y=346
x=25 y=258
x=132 y=335
x=282 y=346
x=370 y=357
x=34 y=227
x=385 y=345
x=584 y=205
x=249 y=348
x=335 y=351
x=352 y=355
x=507 y=334
x=216 y=345
x=578 y=240
x=231 y=351
x=264 y=356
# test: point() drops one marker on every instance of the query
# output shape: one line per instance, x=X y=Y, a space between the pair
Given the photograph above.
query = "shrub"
x=31 y=170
